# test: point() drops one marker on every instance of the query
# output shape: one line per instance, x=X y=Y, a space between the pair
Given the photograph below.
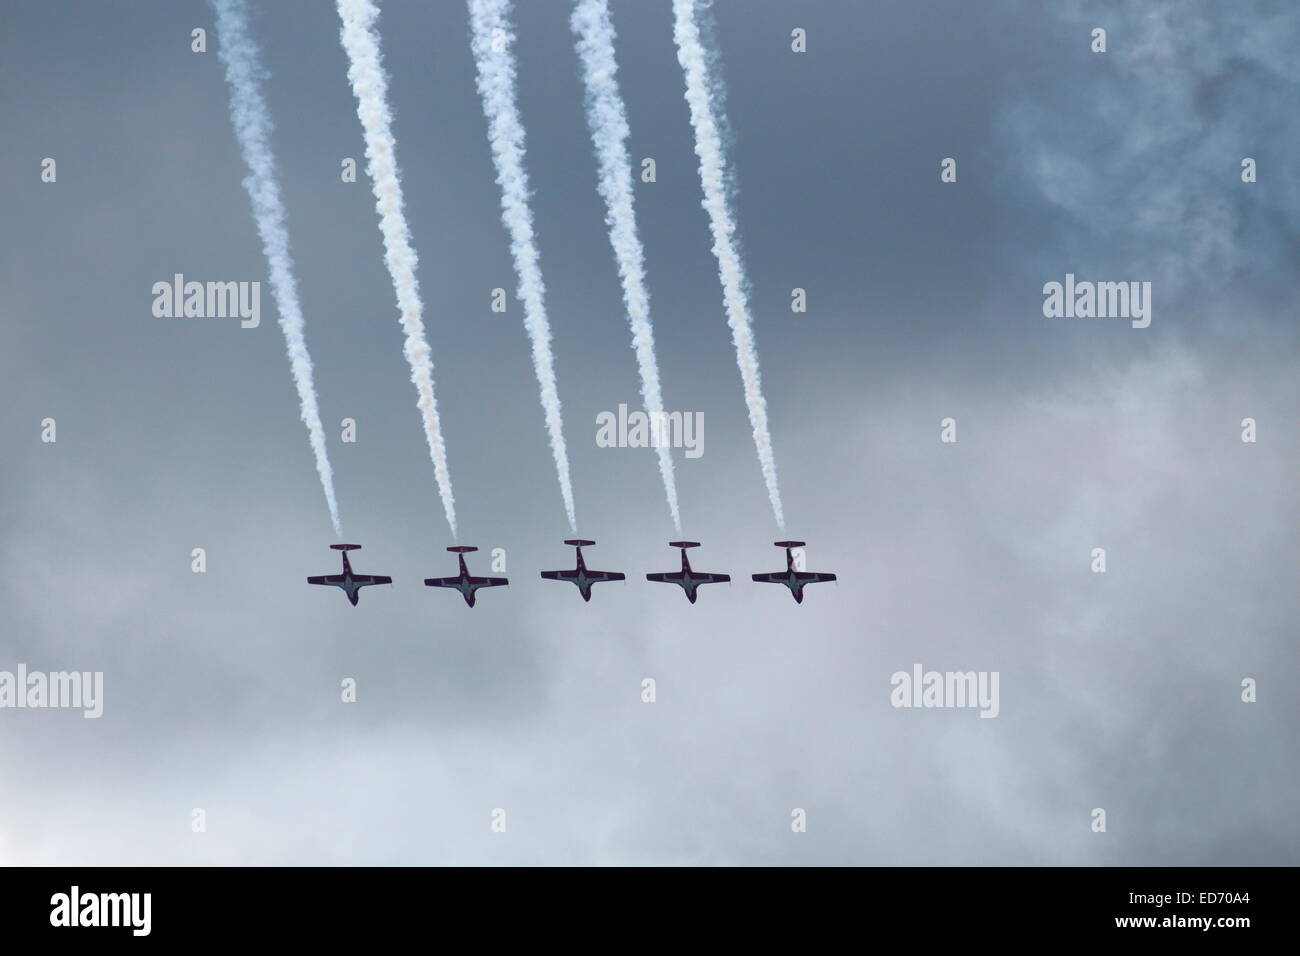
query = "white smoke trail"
x=492 y=39
x=607 y=120
x=713 y=177
x=252 y=122
x=370 y=87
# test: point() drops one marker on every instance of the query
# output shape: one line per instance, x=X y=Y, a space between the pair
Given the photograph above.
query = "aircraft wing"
x=364 y=579
x=671 y=577
x=771 y=577
x=560 y=575
x=606 y=575
x=706 y=577
x=443 y=582
x=488 y=582
x=811 y=577
x=335 y=579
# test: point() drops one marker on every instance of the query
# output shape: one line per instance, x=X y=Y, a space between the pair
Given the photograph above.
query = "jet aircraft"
x=790 y=577
x=350 y=582
x=583 y=577
x=464 y=582
x=686 y=578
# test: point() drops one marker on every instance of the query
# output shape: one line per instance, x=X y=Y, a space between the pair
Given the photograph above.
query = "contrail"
x=370 y=86
x=252 y=122
x=492 y=39
x=607 y=120
x=700 y=86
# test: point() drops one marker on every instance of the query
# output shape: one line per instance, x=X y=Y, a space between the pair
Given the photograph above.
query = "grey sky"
x=1119 y=690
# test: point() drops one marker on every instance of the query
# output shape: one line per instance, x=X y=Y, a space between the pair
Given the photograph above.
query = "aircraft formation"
x=492 y=40
x=688 y=579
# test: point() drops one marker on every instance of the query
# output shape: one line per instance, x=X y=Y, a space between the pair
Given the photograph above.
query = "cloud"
x=1140 y=147
x=1118 y=690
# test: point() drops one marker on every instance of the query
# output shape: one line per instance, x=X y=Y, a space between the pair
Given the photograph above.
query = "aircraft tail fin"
x=789 y=544
x=579 y=542
x=345 y=547
x=462 y=548
x=683 y=544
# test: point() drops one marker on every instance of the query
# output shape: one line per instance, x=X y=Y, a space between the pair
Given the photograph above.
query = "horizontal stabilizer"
x=462 y=548
x=789 y=544
x=579 y=542
x=345 y=547
x=683 y=544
